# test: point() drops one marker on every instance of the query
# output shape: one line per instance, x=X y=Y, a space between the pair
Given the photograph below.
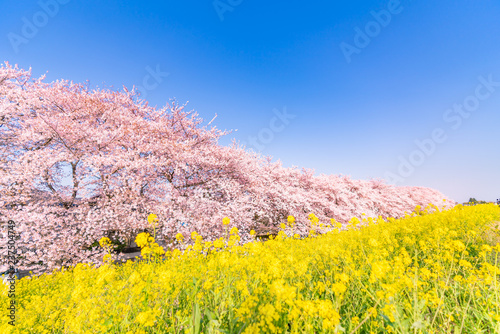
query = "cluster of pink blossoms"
x=78 y=164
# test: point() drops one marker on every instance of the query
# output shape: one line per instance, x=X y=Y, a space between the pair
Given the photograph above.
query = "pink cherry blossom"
x=78 y=164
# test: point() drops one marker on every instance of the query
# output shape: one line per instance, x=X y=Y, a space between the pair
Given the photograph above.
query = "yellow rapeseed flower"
x=219 y=243
x=152 y=219
x=142 y=239
x=382 y=269
x=147 y=318
x=104 y=242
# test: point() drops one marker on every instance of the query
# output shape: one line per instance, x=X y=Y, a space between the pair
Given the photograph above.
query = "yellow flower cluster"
x=430 y=272
x=153 y=220
x=148 y=246
x=105 y=243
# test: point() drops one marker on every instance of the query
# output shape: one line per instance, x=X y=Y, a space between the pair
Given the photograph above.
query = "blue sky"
x=361 y=81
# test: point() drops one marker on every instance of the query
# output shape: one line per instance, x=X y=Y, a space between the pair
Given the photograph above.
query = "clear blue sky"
x=361 y=91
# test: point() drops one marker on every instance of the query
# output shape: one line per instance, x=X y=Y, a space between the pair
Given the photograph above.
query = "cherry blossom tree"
x=121 y=157
x=80 y=163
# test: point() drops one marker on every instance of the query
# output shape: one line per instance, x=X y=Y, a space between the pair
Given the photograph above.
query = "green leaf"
x=196 y=319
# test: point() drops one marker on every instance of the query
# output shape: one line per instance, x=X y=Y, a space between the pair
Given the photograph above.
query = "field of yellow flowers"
x=430 y=272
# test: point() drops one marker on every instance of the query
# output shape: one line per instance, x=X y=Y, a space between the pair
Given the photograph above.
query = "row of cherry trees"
x=77 y=163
